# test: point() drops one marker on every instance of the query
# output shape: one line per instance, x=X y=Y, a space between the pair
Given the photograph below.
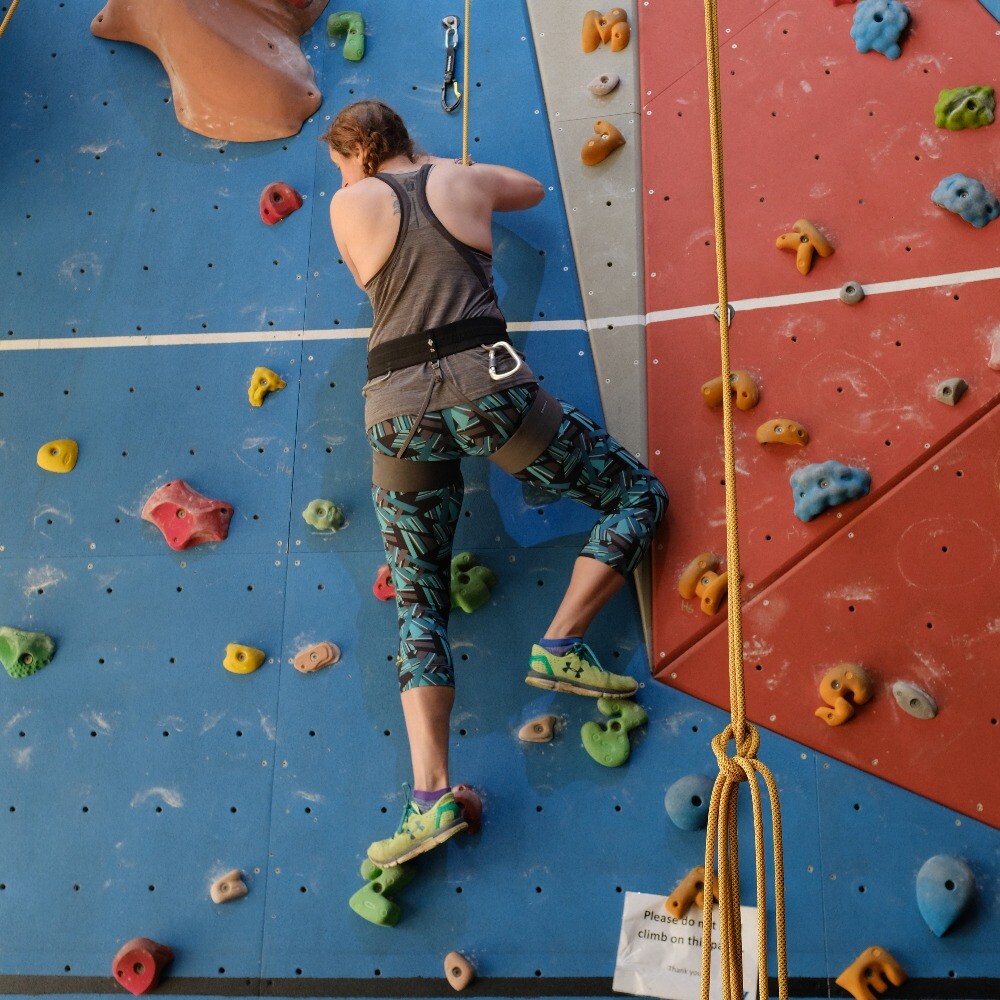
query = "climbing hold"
x=383 y=588
x=851 y=293
x=611 y=28
x=472 y=806
x=687 y=801
x=262 y=382
x=839 y=682
x=826 y=484
x=187 y=517
x=243 y=659
x=967 y=197
x=229 y=887
x=352 y=25
x=805 y=239
x=58 y=456
x=278 y=201
x=740 y=383
x=324 y=515
x=951 y=390
x=139 y=964
x=470 y=582
x=878 y=26
x=458 y=971
x=373 y=901
x=323 y=654
x=609 y=745
x=608 y=139
x=690 y=892
x=25 y=653
x=603 y=84
x=945 y=887
x=701 y=578
x=914 y=701
x=782 y=432
x=965 y=107
x=539 y=730
x=869 y=971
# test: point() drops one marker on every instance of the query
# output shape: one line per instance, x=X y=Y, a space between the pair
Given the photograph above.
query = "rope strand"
x=465 y=86
x=722 y=840
x=8 y=16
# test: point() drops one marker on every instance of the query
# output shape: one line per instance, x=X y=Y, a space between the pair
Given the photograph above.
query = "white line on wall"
x=546 y=326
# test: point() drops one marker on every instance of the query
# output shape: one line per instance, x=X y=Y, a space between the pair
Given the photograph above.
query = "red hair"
x=376 y=128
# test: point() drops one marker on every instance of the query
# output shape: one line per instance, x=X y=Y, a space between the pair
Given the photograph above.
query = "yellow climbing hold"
x=58 y=456
x=242 y=659
x=262 y=382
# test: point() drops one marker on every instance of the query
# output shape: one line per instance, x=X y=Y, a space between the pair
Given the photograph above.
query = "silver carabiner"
x=493 y=364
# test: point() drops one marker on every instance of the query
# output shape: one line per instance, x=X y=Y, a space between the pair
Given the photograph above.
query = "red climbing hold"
x=472 y=806
x=278 y=200
x=187 y=517
x=383 y=589
x=139 y=965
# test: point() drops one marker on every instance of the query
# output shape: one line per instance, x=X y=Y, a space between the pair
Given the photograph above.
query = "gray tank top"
x=431 y=278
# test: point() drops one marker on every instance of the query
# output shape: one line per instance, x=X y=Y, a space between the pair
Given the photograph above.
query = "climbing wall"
x=138 y=291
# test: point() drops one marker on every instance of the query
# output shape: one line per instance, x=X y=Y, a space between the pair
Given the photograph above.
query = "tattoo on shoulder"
x=395 y=205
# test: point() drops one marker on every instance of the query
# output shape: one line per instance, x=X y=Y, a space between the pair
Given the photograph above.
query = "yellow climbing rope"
x=8 y=16
x=465 y=85
x=721 y=842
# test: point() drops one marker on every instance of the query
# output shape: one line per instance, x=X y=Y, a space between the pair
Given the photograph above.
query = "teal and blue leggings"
x=583 y=462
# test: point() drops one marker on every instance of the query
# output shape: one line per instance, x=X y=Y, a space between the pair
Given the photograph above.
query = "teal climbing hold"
x=945 y=887
x=879 y=25
x=965 y=107
x=609 y=744
x=470 y=583
x=687 y=801
x=352 y=25
x=324 y=515
x=25 y=653
x=373 y=901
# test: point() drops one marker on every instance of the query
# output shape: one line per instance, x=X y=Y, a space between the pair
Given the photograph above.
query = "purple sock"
x=424 y=800
x=559 y=646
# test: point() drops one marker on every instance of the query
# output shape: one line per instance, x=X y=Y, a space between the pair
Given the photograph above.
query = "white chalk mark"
x=16 y=718
x=21 y=758
x=310 y=796
x=40 y=577
x=171 y=796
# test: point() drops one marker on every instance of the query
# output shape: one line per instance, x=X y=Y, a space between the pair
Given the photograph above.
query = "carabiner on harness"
x=493 y=362
x=450 y=25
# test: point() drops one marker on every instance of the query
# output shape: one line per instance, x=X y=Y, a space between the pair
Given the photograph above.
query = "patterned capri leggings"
x=583 y=462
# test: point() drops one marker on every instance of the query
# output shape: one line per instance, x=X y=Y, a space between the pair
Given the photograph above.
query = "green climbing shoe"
x=578 y=672
x=419 y=831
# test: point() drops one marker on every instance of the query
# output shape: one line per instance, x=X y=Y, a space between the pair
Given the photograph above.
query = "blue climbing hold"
x=945 y=887
x=687 y=801
x=826 y=484
x=878 y=25
x=967 y=197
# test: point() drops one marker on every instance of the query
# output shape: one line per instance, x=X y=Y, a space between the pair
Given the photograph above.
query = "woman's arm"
x=509 y=190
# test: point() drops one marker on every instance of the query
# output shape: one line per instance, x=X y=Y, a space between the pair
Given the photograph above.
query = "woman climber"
x=444 y=382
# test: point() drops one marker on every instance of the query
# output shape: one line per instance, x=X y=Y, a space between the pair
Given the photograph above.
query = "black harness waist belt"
x=535 y=433
x=430 y=345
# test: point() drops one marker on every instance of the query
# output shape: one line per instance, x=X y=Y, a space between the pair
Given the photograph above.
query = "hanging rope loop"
x=736 y=768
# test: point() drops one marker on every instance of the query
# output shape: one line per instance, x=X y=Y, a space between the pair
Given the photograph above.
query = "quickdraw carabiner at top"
x=450 y=25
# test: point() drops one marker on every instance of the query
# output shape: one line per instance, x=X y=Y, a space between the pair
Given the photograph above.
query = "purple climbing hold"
x=826 y=484
x=967 y=197
x=878 y=25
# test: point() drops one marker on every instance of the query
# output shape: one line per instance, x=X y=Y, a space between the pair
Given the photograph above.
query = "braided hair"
x=376 y=127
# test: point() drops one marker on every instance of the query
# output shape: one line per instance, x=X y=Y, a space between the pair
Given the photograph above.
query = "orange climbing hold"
x=702 y=579
x=611 y=28
x=782 y=432
x=806 y=240
x=604 y=143
x=843 y=680
x=740 y=383
x=869 y=971
x=690 y=892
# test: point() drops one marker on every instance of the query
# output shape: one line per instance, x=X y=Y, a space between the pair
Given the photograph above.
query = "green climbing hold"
x=324 y=515
x=609 y=745
x=965 y=107
x=372 y=901
x=470 y=582
x=25 y=653
x=352 y=25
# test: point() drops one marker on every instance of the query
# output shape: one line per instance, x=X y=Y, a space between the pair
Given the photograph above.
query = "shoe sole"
x=427 y=844
x=553 y=684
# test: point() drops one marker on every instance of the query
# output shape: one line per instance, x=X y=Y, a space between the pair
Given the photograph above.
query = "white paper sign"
x=660 y=956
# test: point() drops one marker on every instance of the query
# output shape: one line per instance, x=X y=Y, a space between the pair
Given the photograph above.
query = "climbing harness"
x=721 y=841
x=8 y=16
x=450 y=25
